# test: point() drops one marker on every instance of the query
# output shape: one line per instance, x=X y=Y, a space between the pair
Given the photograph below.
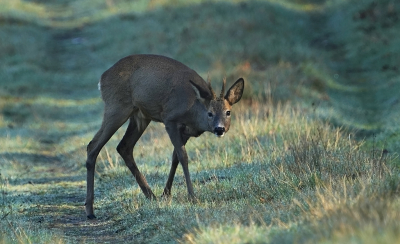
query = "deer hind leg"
x=135 y=130
x=112 y=120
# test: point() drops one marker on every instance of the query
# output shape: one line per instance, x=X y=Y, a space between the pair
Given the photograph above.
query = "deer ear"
x=201 y=92
x=234 y=94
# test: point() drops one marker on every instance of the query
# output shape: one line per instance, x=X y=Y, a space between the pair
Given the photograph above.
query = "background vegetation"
x=312 y=155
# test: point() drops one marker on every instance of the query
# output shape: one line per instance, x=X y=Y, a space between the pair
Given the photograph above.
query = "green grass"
x=313 y=151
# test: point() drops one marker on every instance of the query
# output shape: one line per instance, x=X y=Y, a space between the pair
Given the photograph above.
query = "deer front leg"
x=179 y=148
x=174 y=165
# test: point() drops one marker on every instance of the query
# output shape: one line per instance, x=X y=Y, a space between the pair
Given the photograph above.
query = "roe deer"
x=144 y=88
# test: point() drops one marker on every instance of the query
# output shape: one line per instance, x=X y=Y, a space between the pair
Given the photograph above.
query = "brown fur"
x=144 y=88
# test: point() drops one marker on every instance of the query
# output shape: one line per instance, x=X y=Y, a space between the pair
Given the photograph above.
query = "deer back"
x=159 y=89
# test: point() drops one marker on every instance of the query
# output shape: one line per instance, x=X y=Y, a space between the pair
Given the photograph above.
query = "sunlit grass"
x=278 y=172
x=49 y=101
x=259 y=175
x=80 y=13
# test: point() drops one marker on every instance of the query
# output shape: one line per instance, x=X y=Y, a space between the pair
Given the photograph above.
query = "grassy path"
x=49 y=196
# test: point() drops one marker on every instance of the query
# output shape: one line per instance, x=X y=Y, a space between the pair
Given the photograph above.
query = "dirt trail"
x=55 y=197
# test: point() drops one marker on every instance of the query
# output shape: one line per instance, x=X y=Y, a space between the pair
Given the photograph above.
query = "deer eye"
x=228 y=113
x=210 y=115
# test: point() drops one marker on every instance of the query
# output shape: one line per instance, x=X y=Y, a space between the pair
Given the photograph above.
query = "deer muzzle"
x=219 y=131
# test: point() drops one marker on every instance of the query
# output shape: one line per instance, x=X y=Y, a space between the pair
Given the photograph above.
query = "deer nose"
x=219 y=131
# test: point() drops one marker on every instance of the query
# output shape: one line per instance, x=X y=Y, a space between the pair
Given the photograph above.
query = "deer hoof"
x=193 y=199
x=165 y=196
x=91 y=216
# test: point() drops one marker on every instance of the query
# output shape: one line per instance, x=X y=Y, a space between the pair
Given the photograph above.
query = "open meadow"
x=312 y=155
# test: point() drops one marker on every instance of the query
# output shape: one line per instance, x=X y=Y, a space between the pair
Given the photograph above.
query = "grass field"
x=312 y=155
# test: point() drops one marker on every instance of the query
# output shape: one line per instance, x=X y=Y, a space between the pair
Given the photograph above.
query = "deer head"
x=219 y=108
